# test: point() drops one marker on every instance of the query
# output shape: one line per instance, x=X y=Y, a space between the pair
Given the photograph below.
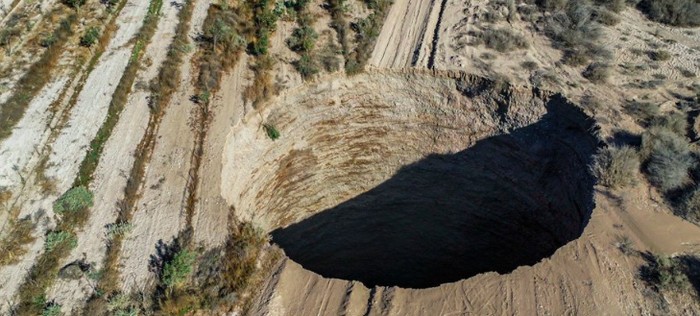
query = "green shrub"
x=616 y=167
x=90 y=37
x=666 y=273
x=503 y=40
x=597 y=73
x=306 y=66
x=47 y=40
x=60 y=240
x=176 y=271
x=74 y=3
x=51 y=310
x=74 y=200
x=672 y=12
x=669 y=158
x=659 y=55
x=271 y=131
x=118 y=229
x=303 y=39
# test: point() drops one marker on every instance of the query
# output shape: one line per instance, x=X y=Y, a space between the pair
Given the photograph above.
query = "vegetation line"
x=38 y=75
x=73 y=208
x=120 y=97
x=162 y=88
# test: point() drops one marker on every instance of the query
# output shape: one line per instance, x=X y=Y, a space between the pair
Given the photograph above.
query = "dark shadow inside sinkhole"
x=507 y=201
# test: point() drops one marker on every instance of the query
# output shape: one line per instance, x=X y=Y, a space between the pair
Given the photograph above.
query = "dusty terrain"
x=444 y=178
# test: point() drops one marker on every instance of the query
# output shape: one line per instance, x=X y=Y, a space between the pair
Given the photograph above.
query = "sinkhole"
x=425 y=181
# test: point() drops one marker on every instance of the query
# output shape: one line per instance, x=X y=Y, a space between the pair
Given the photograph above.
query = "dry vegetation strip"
x=120 y=96
x=189 y=279
x=366 y=31
x=38 y=75
x=162 y=89
x=61 y=240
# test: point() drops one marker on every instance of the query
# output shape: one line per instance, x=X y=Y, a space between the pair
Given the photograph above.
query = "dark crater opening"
x=507 y=201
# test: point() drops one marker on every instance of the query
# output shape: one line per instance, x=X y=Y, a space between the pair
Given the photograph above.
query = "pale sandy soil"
x=160 y=213
x=406 y=39
x=114 y=167
x=18 y=55
x=212 y=211
x=70 y=146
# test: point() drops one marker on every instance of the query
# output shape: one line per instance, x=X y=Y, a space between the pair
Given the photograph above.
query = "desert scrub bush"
x=306 y=66
x=228 y=270
x=47 y=40
x=303 y=39
x=529 y=65
x=262 y=86
x=76 y=4
x=616 y=167
x=92 y=34
x=60 y=240
x=669 y=158
x=503 y=40
x=271 y=131
x=690 y=206
x=574 y=29
x=176 y=272
x=672 y=12
x=328 y=57
x=73 y=206
x=676 y=122
x=265 y=21
x=643 y=112
x=12 y=246
x=606 y=17
x=575 y=57
x=597 y=73
x=73 y=200
x=118 y=229
x=664 y=272
x=659 y=55
x=624 y=244
x=51 y=309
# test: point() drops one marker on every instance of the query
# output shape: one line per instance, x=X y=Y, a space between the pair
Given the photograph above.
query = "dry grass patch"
x=38 y=75
x=616 y=167
x=12 y=246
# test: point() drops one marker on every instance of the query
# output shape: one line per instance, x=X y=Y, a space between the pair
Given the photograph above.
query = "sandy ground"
x=20 y=53
x=30 y=132
x=406 y=40
x=71 y=144
x=212 y=211
x=160 y=213
x=114 y=167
